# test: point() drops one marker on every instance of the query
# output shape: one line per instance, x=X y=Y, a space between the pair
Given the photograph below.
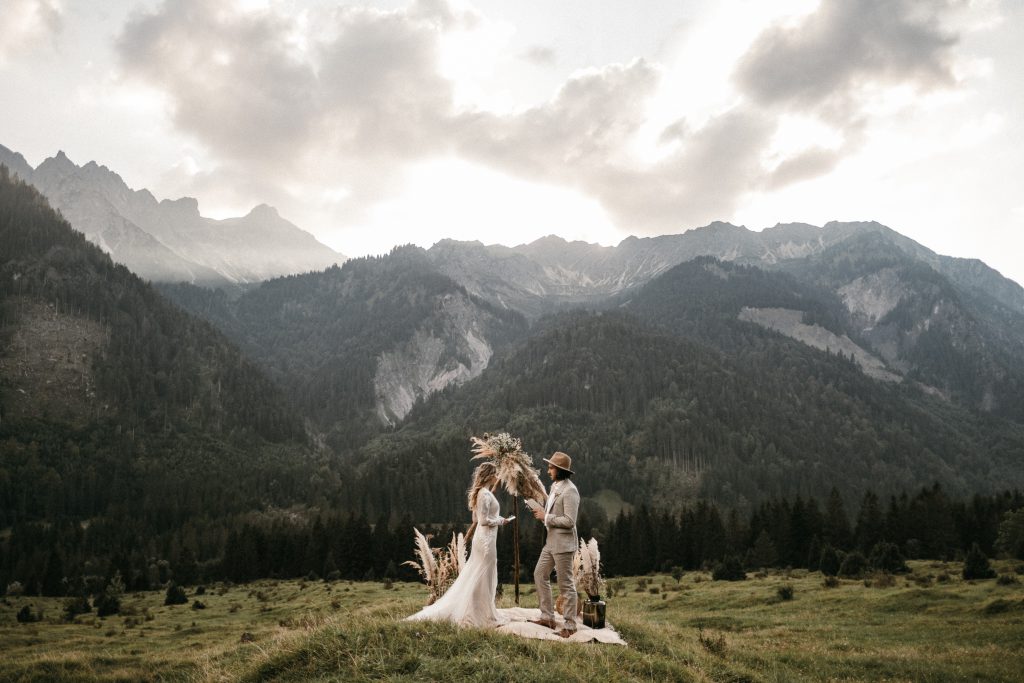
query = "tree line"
x=69 y=558
x=795 y=533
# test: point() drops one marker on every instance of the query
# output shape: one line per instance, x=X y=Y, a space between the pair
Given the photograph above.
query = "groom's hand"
x=540 y=513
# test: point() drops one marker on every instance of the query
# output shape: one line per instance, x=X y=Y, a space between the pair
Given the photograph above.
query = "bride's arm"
x=483 y=519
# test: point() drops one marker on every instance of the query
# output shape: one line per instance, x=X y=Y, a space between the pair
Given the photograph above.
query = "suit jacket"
x=561 y=520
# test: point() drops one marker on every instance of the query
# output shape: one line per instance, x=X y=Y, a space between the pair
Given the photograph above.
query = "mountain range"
x=168 y=240
x=719 y=363
x=537 y=277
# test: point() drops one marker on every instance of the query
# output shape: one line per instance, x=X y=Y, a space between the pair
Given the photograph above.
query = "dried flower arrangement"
x=586 y=569
x=439 y=567
x=515 y=468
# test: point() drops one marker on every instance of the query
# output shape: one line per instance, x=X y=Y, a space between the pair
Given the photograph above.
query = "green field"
x=929 y=626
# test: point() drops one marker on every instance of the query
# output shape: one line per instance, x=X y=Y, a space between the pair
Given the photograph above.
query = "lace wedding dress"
x=470 y=599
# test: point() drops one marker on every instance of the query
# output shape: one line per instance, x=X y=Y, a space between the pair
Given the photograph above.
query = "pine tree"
x=53 y=579
x=1011 y=534
x=837 y=525
x=870 y=527
x=763 y=554
x=813 y=560
x=829 y=561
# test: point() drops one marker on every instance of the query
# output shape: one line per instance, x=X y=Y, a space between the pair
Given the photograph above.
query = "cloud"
x=340 y=102
x=341 y=98
x=581 y=139
x=450 y=14
x=839 y=66
x=586 y=123
x=230 y=78
x=540 y=55
x=807 y=164
x=847 y=45
x=700 y=182
x=26 y=23
x=380 y=91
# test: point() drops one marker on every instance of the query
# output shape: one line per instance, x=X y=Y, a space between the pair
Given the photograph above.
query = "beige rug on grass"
x=518 y=623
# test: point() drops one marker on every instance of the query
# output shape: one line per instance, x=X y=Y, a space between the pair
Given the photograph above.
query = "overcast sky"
x=374 y=124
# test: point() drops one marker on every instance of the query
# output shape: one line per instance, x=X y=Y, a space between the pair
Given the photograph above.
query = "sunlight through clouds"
x=470 y=201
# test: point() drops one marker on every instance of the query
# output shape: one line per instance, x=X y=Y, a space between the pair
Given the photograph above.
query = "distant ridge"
x=550 y=272
x=169 y=240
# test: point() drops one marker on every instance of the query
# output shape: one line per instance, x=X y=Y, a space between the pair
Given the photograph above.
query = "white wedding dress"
x=470 y=599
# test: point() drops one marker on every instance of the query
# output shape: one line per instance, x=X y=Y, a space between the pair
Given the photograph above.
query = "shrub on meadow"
x=28 y=615
x=75 y=606
x=714 y=645
x=729 y=569
x=175 y=595
x=853 y=565
x=109 y=601
x=886 y=557
x=976 y=565
x=880 y=580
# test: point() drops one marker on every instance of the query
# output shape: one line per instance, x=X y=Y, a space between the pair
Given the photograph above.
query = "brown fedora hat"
x=561 y=461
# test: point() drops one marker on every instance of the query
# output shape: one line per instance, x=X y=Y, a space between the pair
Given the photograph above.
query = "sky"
x=374 y=124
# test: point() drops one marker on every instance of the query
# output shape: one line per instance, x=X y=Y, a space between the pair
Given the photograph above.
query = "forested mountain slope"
x=960 y=339
x=664 y=420
x=356 y=346
x=119 y=411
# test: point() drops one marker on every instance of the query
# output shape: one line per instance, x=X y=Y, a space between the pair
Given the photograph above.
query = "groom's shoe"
x=566 y=633
x=546 y=623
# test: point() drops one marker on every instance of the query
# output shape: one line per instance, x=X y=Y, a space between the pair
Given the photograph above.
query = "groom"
x=559 y=517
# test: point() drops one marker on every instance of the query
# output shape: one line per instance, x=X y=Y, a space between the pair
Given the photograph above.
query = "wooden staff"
x=515 y=552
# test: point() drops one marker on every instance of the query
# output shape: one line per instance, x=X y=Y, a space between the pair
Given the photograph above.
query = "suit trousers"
x=562 y=564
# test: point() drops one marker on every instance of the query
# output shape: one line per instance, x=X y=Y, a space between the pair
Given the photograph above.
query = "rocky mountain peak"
x=185 y=207
x=547 y=241
x=56 y=167
x=264 y=212
x=170 y=240
x=792 y=231
x=722 y=227
x=15 y=163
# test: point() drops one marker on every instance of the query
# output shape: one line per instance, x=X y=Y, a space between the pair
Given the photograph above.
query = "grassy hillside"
x=928 y=626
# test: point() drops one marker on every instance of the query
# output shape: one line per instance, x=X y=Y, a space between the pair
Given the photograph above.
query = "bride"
x=470 y=600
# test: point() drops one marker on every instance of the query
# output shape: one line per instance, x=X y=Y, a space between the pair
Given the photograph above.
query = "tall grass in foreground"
x=929 y=626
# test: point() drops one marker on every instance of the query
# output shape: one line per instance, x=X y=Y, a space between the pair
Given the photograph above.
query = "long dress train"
x=470 y=599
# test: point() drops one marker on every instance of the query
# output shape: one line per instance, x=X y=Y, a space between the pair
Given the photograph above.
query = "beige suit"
x=561 y=544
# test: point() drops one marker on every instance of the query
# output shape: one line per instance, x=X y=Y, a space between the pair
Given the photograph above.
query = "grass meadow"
x=780 y=626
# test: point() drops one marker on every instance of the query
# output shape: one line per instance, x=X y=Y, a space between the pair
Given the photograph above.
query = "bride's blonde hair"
x=483 y=476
